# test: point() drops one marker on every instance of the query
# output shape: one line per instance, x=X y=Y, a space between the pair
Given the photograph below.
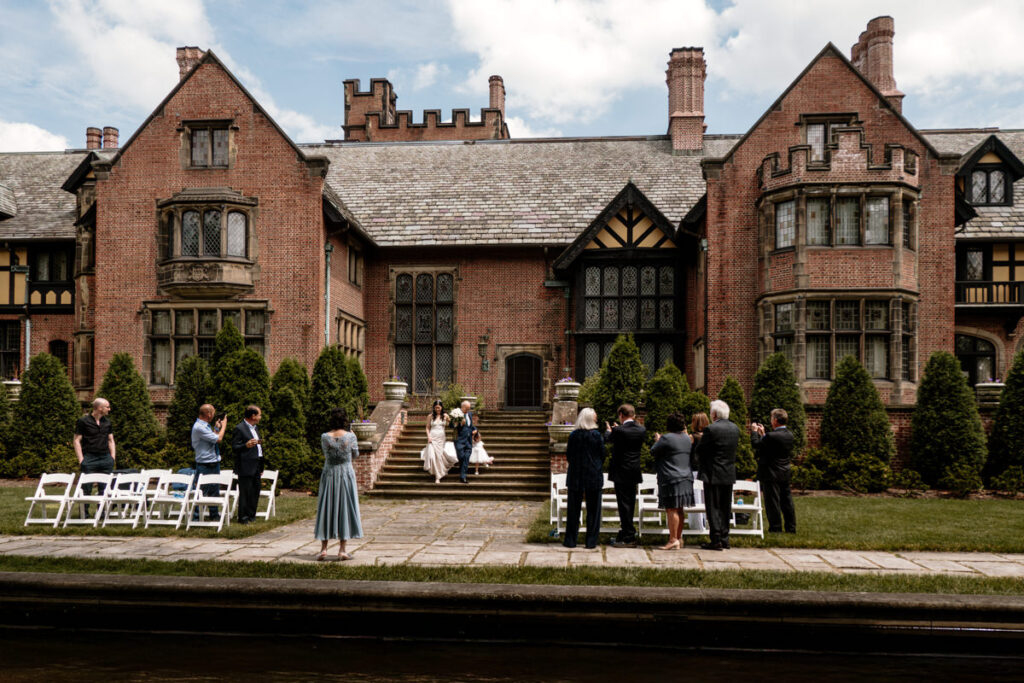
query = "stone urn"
x=560 y=433
x=395 y=390
x=13 y=389
x=988 y=392
x=567 y=390
x=364 y=431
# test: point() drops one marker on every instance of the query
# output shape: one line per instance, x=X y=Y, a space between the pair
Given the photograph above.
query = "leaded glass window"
x=876 y=355
x=977 y=358
x=996 y=187
x=818 y=315
x=220 y=147
x=647 y=280
x=816 y=139
x=876 y=315
x=819 y=365
x=425 y=330
x=591 y=358
x=847 y=345
x=611 y=281
x=629 y=314
x=876 y=230
x=201 y=147
x=649 y=356
x=988 y=186
x=785 y=224
x=847 y=315
x=209 y=145
x=784 y=318
x=236 y=234
x=211 y=233
x=848 y=220
x=190 y=233
x=817 y=221
x=648 y=314
x=908 y=223
x=611 y=313
x=175 y=333
x=592 y=319
x=979 y=187
x=593 y=281
x=629 y=281
x=974 y=265
x=666 y=281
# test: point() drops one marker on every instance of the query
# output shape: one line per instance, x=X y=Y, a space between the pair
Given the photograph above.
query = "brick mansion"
x=447 y=251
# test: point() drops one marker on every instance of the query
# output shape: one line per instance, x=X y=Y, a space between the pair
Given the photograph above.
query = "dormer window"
x=988 y=186
x=988 y=172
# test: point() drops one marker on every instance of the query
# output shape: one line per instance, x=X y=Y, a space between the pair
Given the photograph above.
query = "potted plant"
x=364 y=429
x=395 y=389
x=567 y=389
x=559 y=433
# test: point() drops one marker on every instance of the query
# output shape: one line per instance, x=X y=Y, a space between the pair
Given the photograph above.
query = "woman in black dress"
x=671 y=452
x=584 y=479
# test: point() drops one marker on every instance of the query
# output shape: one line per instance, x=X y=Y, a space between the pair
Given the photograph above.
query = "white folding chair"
x=61 y=490
x=696 y=523
x=270 y=494
x=609 y=507
x=649 y=515
x=203 y=504
x=79 y=501
x=233 y=494
x=559 y=499
x=750 y=493
x=170 y=502
x=126 y=500
x=150 y=481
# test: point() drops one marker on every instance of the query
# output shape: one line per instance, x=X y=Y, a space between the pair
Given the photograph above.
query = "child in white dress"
x=479 y=455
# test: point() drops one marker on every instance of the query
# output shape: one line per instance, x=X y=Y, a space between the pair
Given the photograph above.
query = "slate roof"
x=528 y=192
x=44 y=210
x=991 y=221
x=8 y=204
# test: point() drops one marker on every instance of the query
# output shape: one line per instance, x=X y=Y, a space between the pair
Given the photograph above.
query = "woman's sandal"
x=344 y=556
x=321 y=556
x=674 y=545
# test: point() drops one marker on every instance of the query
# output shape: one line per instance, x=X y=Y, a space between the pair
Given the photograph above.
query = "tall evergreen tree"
x=137 y=434
x=732 y=393
x=623 y=376
x=45 y=416
x=327 y=391
x=947 y=441
x=854 y=420
x=775 y=387
x=192 y=388
x=360 y=387
x=1006 y=442
x=297 y=463
x=227 y=342
x=246 y=381
x=665 y=395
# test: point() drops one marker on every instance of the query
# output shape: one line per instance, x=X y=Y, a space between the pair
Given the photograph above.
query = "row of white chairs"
x=150 y=497
x=648 y=518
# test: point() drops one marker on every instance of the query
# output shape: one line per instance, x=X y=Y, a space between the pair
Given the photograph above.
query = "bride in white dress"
x=438 y=457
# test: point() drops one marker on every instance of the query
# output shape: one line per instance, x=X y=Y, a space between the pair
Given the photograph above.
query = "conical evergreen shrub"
x=192 y=388
x=328 y=390
x=227 y=342
x=775 y=387
x=623 y=376
x=246 y=381
x=947 y=441
x=359 y=387
x=1006 y=441
x=287 y=415
x=664 y=396
x=45 y=416
x=732 y=393
x=138 y=436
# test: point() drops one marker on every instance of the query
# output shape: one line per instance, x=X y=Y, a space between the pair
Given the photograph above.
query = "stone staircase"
x=518 y=442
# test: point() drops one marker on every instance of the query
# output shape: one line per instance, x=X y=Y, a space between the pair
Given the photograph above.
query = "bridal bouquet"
x=458 y=417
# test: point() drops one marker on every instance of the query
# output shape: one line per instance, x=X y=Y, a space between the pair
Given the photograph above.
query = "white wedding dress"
x=438 y=456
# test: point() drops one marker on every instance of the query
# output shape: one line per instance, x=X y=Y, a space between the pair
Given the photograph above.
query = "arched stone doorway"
x=524 y=381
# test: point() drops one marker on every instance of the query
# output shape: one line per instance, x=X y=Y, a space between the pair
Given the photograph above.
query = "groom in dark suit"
x=464 y=441
x=624 y=470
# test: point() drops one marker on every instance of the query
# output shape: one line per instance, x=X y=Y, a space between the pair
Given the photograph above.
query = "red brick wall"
x=288 y=224
x=368 y=466
x=992 y=328
x=45 y=328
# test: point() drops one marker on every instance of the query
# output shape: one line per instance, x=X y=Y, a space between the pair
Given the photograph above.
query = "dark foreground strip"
x=669 y=617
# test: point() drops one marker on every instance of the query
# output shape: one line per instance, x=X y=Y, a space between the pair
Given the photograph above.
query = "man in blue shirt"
x=204 y=442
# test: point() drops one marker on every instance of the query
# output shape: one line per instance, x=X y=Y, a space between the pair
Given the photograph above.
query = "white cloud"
x=518 y=128
x=28 y=137
x=566 y=60
x=428 y=74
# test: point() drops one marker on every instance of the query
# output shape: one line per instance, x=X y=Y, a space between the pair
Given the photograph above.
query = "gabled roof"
x=628 y=196
x=829 y=50
x=208 y=58
x=503 y=192
x=82 y=171
x=996 y=146
x=34 y=179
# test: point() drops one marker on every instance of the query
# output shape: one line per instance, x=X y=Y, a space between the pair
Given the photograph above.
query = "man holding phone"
x=248 y=449
x=204 y=442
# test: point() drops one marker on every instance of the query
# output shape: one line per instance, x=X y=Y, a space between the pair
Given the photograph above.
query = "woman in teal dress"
x=337 y=509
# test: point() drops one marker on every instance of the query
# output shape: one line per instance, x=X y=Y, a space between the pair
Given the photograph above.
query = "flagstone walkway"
x=490 y=533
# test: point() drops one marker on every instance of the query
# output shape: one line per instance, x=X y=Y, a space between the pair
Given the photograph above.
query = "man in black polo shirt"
x=94 y=442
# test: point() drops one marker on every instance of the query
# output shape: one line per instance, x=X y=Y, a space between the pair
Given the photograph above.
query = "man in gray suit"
x=716 y=455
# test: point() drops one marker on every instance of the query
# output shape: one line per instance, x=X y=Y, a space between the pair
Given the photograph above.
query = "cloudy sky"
x=571 y=67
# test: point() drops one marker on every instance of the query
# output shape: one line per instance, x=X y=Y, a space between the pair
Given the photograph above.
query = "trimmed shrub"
x=909 y=480
x=228 y=341
x=452 y=394
x=588 y=390
x=664 y=396
x=327 y=391
x=45 y=414
x=732 y=393
x=359 y=387
x=775 y=387
x=192 y=388
x=854 y=419
x=1010 y=481
x=5 y=413
x=857 y=472
x=806 y=477
x=137 y=434
x=960 y=478
x=947 y=439
x=289 y=400
x=695 y=402
x=298 y=464
x=1006 y=441
x=247 y=382
x=622 y=379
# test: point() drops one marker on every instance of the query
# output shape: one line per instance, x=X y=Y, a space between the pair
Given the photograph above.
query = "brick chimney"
x=872 y=55
x=188 y=57
x=685 y=77
x=93 y=136
x=109 y=137
x=497 y=94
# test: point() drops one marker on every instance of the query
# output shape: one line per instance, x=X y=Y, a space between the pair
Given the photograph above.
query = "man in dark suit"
x=774 y=459
x=716 y=455
x=464 y=440
x=624 y=470
x=247 y=446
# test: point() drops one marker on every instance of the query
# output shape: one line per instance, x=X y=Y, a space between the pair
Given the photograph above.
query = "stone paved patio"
x=489 y=533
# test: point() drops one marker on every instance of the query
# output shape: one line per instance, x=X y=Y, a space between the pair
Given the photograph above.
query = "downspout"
x=328 y=250
x=28 y=341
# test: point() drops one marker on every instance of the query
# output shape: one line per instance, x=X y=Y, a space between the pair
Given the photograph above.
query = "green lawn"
x=582 y=576
x=878 y=523
x=13 y=508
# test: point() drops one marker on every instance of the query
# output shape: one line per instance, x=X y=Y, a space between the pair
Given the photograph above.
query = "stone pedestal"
x=564 y=411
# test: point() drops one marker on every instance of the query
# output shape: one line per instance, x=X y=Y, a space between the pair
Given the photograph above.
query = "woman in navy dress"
x=337 y=509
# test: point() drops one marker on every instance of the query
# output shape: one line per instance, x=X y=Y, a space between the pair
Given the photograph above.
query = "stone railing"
x=390 y=419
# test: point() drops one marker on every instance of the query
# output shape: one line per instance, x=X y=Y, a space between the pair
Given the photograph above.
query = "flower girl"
x=479 y=455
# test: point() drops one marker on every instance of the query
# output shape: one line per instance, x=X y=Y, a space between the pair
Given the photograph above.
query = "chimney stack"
x=188 y=57
x=872 y=55
x=93 y=136
x=109 y=137
x=685 y=77
x=497 y=86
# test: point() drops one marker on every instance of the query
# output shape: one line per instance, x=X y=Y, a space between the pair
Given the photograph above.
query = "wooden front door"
x=523 y=381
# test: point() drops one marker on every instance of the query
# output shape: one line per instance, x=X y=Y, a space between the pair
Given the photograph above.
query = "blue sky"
x=571 y=67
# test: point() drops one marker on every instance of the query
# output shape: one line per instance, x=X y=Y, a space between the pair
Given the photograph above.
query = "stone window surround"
x=356 y=264
x=169 y=234
x=149 y=307
x=997 y=343
x=896 y=331
x=897 y=194
x=546 y=353
x=414 y=270
x=351 y=334
x=185 y=131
